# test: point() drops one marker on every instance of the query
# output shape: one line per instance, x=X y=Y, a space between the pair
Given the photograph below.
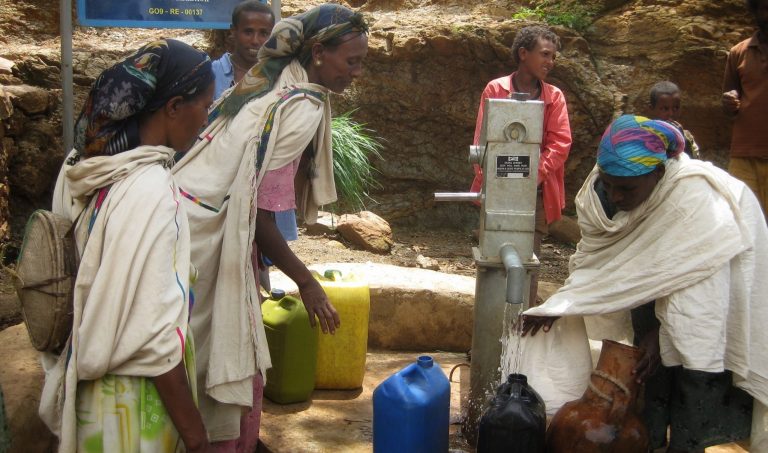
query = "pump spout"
x=515 y=274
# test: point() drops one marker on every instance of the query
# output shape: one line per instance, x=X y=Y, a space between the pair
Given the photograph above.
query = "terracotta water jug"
x=604 y=419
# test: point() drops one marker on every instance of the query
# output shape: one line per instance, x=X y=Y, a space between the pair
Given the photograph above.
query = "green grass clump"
x=354 y=145
x=571 y=15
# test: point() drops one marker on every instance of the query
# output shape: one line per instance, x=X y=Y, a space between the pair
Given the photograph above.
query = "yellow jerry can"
x=341 y=357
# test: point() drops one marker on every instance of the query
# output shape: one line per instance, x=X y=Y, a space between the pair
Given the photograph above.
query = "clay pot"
x=604 y=419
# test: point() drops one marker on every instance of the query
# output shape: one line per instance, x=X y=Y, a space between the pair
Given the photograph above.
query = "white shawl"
x=700 y=229
x=219 y=174
x=131 y=292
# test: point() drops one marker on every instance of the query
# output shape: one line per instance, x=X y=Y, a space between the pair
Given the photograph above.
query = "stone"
x=6 y=65
x=427 y=263
x=367 y=231
x=336 y=244
x=326 y=224
x=566 y=229
x=29 y=99
x=6 y=106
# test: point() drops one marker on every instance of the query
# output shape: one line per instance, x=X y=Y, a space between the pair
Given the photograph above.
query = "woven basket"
x=45 y=278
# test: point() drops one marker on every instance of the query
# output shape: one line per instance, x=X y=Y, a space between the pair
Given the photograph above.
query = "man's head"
x=534 y=50
x=631 y=158
x=665 y=101
x=252 y=23
x=760 y=9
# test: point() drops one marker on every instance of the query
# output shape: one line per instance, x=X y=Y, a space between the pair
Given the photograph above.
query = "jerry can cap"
x=426 y=361
x=332 y=274
x=276 y=294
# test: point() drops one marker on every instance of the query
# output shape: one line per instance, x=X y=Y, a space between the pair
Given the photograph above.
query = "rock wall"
x=428 y=62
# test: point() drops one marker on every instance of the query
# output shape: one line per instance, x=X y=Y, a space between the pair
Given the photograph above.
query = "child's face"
x=251 y=32
x=667 y=107
x=540 y=60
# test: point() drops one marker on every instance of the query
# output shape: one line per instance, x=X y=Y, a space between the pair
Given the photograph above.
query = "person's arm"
x=731 y=85
x=477 y=182
x=646 y=327
x=272 y=244
x=174 y=390
x=557 y=138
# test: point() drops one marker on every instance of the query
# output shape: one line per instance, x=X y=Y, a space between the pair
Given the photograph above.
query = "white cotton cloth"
x=699 y=247
x=220 y=173
x=131 y=294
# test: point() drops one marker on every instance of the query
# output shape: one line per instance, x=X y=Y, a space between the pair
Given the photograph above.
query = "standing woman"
x=271 y=131
x=125 y=383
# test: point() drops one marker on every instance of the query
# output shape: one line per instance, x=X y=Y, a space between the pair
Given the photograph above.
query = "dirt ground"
x=452 y=249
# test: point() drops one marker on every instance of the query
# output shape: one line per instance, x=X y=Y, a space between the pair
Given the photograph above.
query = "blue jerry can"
x=411 y=410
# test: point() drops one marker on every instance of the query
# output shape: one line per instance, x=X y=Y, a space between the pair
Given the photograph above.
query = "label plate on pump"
x=513 y=166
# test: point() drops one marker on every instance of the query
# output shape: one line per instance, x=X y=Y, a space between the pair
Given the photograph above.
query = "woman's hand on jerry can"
x=318 y=305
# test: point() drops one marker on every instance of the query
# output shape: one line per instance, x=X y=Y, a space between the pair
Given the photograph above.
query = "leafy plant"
x=354 y=145
x=571 y=15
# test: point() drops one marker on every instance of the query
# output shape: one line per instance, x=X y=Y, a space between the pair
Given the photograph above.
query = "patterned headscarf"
x=634 y=145
x=142 y=83
x=291 y=38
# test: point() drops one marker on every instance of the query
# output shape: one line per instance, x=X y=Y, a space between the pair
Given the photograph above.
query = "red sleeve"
x=557 y=137
x=477 y=183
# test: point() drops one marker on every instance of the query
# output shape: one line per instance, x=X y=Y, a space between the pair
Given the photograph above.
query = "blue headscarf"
x=142 y=83
x=634 y=145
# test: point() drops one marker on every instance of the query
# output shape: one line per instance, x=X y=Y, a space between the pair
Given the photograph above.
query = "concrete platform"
x=411 y=309
x=342 y=421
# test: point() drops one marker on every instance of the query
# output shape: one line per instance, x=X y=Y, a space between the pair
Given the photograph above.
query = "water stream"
x=511 y=344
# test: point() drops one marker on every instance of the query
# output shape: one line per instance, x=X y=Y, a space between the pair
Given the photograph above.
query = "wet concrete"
x=342 y=421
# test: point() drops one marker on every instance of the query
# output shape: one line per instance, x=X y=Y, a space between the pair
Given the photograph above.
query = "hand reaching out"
x=731 y=102
x=317 y=304
x=651 y=359
x=532 y=324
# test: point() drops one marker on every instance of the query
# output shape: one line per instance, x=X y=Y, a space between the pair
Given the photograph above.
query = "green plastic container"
x=293 y=348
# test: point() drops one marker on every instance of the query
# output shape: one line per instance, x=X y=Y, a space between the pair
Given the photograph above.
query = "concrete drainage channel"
x=413 y=312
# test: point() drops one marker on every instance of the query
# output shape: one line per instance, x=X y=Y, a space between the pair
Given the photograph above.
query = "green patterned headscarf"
x=291 y=38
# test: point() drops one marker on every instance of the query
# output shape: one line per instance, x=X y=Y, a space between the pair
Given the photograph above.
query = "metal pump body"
x=508 y=153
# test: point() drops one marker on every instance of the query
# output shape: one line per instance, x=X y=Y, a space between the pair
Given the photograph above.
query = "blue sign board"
x=156 y=13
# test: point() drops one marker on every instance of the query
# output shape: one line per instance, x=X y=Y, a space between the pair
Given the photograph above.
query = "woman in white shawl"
x=658 y=226
x=125 y=383
x=273 y=125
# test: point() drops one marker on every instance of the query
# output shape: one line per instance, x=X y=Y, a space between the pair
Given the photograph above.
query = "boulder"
x=6 y=65
x=367 y=231
x=6 y=107
x=31 y=100
x=566 y=229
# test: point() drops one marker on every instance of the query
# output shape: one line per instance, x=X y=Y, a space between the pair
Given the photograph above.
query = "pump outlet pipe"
x=515 y=273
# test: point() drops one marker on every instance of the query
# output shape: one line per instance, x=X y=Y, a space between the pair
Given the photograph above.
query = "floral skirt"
x=124 y=414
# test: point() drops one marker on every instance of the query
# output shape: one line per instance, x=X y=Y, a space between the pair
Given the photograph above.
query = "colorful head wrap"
x=142 y=83
x=291 y=38
x=634 y=145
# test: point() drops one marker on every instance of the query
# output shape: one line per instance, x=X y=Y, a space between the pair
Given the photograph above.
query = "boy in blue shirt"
x=252 y=23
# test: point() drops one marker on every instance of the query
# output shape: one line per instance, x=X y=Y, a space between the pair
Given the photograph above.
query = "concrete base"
x=411 y=309
x=342 y=421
